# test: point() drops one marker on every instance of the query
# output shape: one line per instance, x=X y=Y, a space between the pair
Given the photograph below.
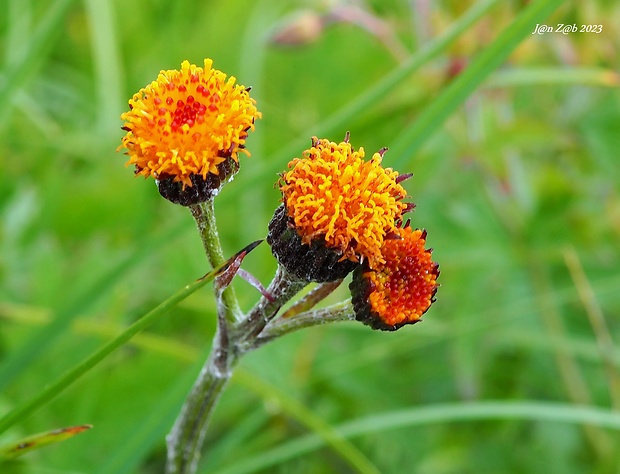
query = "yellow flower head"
x=332 y=194
x=402 y=289
x=187 y=122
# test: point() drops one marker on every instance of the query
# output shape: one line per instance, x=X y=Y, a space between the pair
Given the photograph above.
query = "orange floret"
x=187 y=122
x=332 y=193
x=401 y=290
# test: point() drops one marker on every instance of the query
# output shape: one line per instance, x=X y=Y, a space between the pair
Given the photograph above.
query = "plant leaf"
x=26 y=445
x=227 y=272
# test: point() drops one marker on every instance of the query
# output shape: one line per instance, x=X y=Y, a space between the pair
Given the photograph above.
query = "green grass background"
x=517 y=174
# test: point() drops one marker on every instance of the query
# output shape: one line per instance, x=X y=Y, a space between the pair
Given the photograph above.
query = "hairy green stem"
x=187 y=435
x=232 y=339
x=204 y=215
x=342 y=311
x=309 y=300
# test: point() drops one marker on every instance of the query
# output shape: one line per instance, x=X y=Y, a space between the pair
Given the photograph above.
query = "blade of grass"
x=379 y=90
x=383 y=350
x=17 y=361
x=597 y=321
x=428 y=415
x=554 y=76
x=326 y=432
x=238 y=437
x=19 y=71
x=18 y=23
x=107 y=64
x=163 y=345
x=569 y=371
x=430 y=119
x=582 y=348
x=83 y=367
x=252 y=54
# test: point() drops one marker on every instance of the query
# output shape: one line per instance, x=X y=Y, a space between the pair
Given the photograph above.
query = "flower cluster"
x=342 y=213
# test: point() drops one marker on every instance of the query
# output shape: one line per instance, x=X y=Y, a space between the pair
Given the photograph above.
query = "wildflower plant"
x=340 y=214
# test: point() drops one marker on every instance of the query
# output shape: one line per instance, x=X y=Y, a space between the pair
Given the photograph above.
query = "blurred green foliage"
x=519 y=191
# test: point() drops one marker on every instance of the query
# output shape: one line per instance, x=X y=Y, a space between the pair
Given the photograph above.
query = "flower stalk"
x=342 y=311
x=185 y=440
x=204 y=215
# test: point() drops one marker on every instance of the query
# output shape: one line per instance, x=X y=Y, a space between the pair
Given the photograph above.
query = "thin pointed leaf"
x=226 y=274
x=31 y=443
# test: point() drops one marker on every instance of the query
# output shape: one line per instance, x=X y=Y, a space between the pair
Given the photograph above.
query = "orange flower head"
x=334 y=196
x=187 y=123
x=401 y=290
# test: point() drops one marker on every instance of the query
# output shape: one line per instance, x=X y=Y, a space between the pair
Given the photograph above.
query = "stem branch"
x=281 y=289
x=231 y=340
x=342 y=311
